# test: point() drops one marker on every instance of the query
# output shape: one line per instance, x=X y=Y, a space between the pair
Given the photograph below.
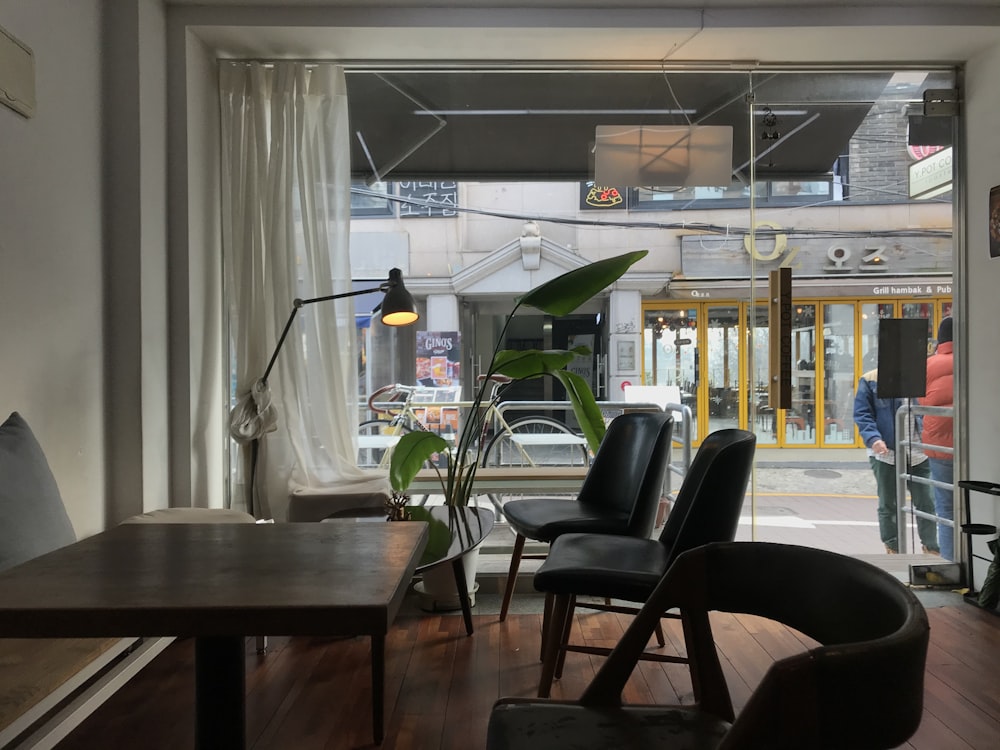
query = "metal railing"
x=683 y=441
x=681 y=438
x=903 y=476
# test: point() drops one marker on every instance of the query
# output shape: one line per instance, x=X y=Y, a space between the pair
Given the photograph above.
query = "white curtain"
x=286 y=229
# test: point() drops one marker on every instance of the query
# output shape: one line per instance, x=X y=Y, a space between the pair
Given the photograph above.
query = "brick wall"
x=879 y=160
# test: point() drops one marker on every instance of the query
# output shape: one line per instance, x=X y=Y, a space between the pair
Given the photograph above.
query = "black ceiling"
x=547 y=131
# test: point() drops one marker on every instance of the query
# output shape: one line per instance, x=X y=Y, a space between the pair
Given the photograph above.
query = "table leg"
x=220 y=693
x=378 y=687
x=463 y=592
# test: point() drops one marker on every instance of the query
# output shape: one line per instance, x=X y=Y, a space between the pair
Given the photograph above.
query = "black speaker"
x=929 y=131
x=902 y=357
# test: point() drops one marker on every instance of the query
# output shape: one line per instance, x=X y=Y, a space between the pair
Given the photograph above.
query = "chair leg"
x=564 y=637
x=515 y=563
x=659 y=634
x=552 y=637
x=546 y=623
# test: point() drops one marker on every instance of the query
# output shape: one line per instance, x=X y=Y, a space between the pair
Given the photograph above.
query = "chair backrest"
x=710 y=499
x=861 y=688
x=629 y=468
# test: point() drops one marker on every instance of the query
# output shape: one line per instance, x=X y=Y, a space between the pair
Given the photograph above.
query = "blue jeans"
x=942 y=470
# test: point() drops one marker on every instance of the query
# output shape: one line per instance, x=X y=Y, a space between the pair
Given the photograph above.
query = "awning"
x=511 y=125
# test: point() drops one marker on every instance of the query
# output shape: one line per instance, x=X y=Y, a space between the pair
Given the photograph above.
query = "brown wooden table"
x=219 y=583
x=454 y=531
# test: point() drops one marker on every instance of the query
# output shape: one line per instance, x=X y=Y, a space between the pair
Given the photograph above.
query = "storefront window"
x=837 y=408
x=723 y=335
x=800 y=419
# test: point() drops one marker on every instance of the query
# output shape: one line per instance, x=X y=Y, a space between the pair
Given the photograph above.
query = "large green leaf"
x=410 y=454
x=563 y=294
x=588 y=414
x=530 y=363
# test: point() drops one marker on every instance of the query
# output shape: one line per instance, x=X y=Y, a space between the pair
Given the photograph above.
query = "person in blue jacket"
x=876 y=422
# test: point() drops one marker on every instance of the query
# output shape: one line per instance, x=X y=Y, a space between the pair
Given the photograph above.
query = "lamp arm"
x=296 y=304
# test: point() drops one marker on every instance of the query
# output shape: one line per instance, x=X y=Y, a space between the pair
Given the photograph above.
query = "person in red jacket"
x=938 y=431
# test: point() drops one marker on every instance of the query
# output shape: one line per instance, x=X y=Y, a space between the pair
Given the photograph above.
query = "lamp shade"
x=398 y=307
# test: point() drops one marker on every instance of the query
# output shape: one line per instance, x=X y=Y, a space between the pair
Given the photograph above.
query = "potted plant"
x=559 y=296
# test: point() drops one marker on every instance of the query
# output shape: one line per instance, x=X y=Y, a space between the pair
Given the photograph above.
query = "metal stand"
x=975 y=529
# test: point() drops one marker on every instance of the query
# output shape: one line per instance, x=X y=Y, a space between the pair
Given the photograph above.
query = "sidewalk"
x=804 y=458
x=824 y=498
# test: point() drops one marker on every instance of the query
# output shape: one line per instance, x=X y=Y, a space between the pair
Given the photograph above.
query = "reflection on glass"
x=922 y=310
x=723 y=368
x=670 y=354
x=837 y=410
x=871 y=314
x=800 y=426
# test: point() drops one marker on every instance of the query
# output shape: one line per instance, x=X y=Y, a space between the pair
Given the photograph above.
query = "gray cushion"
x=34 y=519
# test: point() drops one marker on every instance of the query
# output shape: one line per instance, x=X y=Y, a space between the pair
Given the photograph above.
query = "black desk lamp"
x=253 y=414
x=397 y=308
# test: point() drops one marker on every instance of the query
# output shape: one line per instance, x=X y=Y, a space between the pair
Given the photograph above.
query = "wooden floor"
x=315 y=693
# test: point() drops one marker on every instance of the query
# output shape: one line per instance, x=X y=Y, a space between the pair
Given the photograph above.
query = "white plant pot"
x=437 y=590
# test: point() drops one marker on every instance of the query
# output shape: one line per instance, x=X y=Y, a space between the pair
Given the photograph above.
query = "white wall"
x=134 y=107
x=51 y=261
x=978 y=344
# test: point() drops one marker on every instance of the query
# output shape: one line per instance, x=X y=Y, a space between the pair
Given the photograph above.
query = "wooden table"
x=219 y=583
x=533 y=479
x=524 y=480
x=454 y=531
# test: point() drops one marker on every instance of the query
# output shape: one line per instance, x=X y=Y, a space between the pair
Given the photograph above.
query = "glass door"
x=837 y=372
x=670 y=354
x=871 y=314
x=800 y=419
x=760 y=416
x=723 y=368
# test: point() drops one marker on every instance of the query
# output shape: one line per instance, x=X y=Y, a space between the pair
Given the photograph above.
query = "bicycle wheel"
x=374 y=438
x=536 y=441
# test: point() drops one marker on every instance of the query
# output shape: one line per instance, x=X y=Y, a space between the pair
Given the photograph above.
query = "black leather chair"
x=861 y=688
x=620 y=494
x=707 y=509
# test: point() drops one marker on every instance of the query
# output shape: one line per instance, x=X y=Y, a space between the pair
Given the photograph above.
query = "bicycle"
x=376 y=437
x=527 y=441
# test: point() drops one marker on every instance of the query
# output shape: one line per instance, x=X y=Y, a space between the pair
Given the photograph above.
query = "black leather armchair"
x=861 y=688
x=620 y=494
x=707 y=509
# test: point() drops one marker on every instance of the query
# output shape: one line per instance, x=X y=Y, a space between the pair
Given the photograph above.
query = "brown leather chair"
x=861 y=688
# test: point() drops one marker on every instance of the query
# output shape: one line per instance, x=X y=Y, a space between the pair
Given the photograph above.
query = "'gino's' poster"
x=439 y=358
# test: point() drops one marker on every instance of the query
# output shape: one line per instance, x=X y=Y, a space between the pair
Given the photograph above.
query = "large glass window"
x=371 y=200
x=518 y=160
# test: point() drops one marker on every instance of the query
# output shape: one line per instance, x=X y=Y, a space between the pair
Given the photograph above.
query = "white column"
x=624 y=342
x=442 y=313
